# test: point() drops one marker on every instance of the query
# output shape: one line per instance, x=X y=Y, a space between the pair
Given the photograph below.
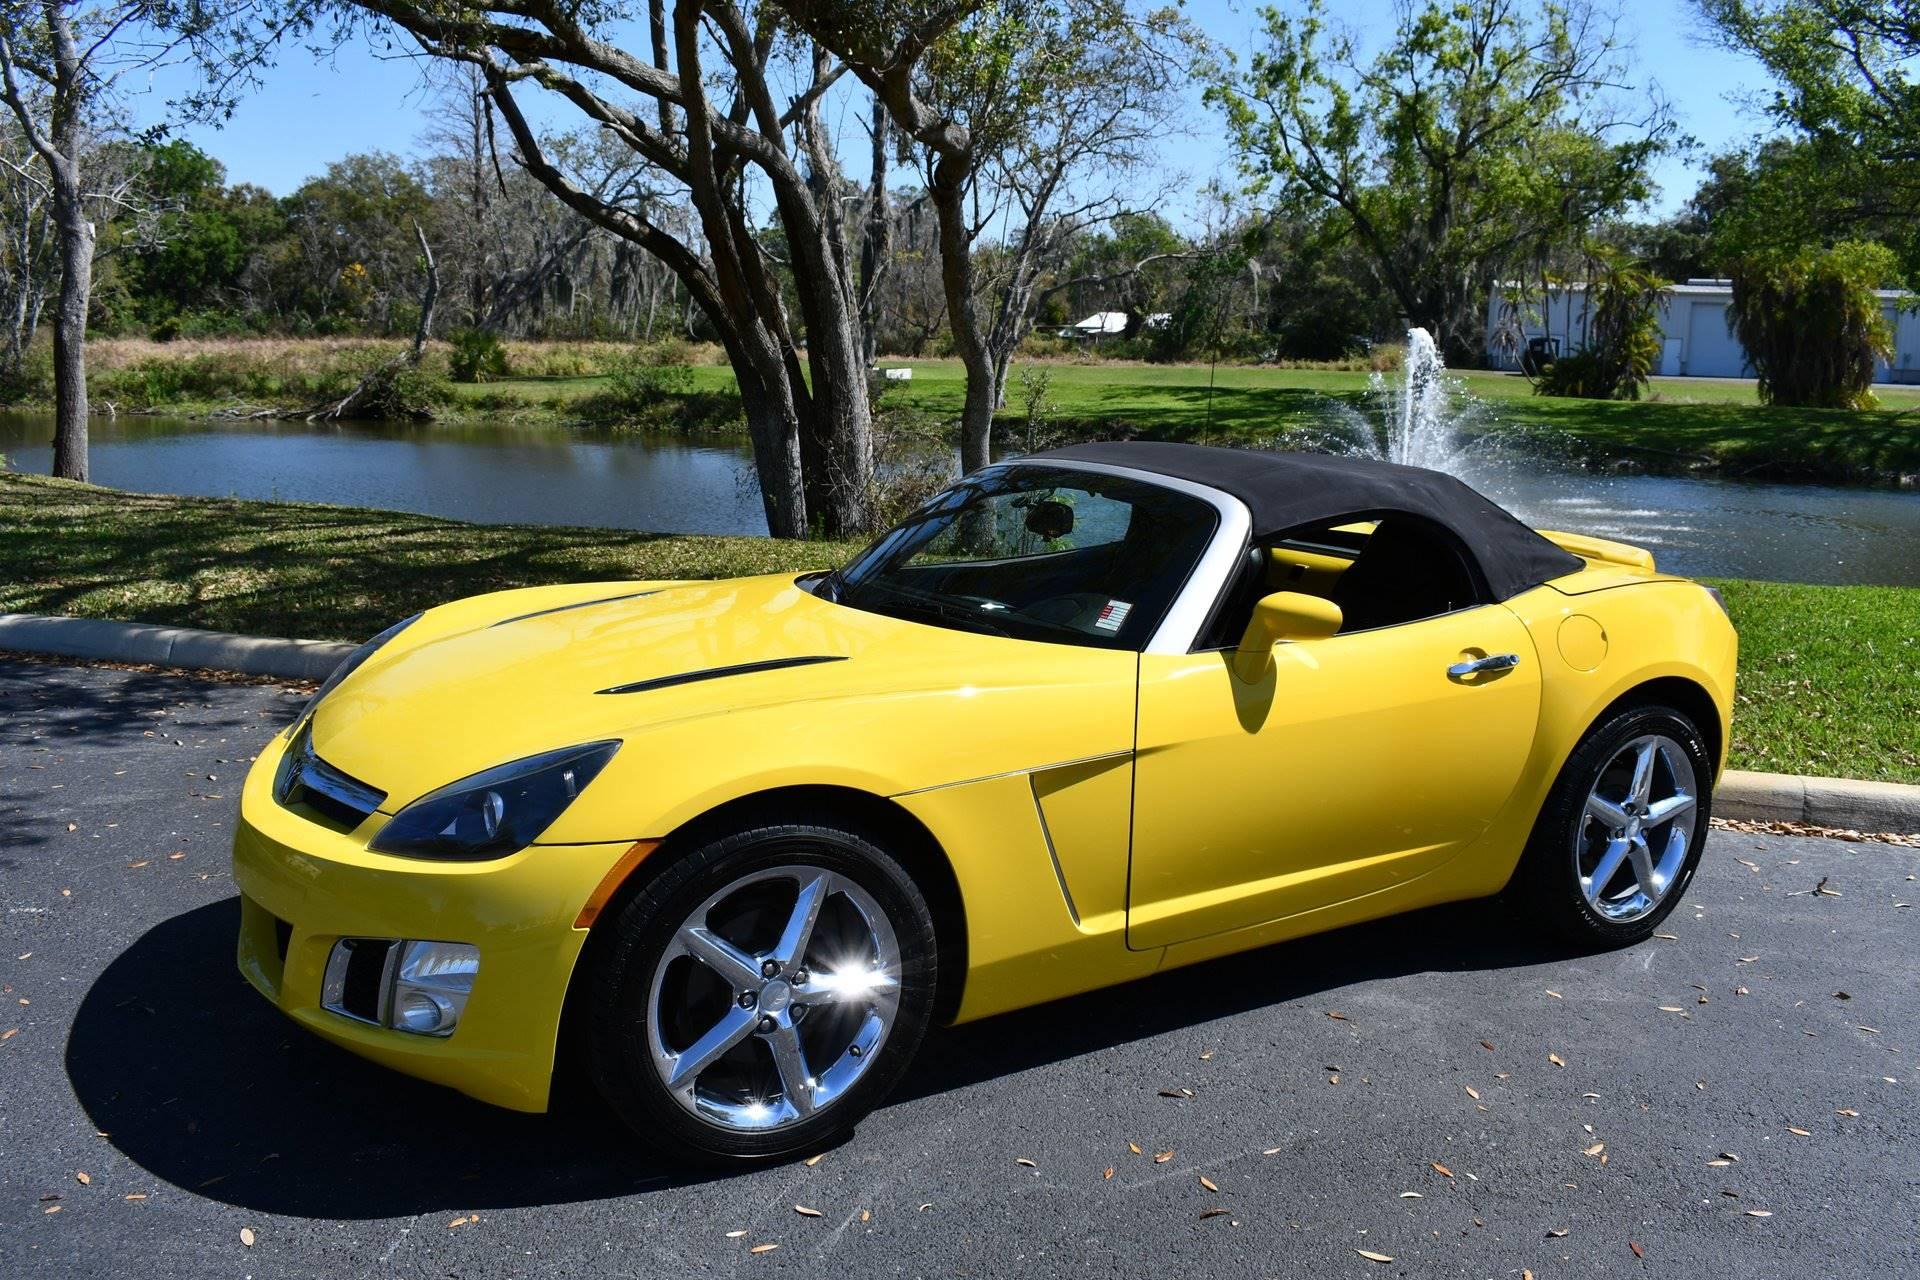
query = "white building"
x=1695 y=341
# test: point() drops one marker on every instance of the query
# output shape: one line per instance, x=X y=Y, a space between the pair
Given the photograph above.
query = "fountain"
x=1412 y=421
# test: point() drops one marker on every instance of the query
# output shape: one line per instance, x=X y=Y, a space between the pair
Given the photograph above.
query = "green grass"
x=1685 y=422
x=324 y=573
x=1829 y=676
x=1829 y=680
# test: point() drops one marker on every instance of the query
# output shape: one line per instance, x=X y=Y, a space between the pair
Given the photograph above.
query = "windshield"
x=1036 y=552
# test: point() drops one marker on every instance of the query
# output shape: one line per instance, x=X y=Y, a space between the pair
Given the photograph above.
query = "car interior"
x=1381 y=571
x=1140 y=555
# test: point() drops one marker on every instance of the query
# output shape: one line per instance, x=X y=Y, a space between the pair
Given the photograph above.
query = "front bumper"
x=304 y=886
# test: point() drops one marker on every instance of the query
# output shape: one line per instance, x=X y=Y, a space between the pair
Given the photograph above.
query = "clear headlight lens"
x=348 y=667
x=494 y=813
x=431 y=986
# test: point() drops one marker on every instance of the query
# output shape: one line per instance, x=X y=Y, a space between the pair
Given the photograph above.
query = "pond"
x=544 y=475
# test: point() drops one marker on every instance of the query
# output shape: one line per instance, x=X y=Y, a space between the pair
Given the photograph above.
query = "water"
x=494 y=474
x=546 y=475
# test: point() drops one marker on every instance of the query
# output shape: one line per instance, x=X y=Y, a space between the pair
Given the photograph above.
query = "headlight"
x=497 y=812
x=349 y=666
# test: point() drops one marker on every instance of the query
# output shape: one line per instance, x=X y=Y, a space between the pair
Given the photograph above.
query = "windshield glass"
x=1041 y=553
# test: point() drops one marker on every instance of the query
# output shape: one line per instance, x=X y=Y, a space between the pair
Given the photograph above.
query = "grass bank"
x=1687 y=423
x=1830 y=676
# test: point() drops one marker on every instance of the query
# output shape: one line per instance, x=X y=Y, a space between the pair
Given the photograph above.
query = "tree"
x=1848 y=71
x=1484 y=136
x=1811 y=323
x=1621 y=336
x=1847 y=78
x=60 y=64
x=1006 y=101
x=807 y=410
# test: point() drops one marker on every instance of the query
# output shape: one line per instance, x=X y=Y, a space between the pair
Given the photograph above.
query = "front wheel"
x=1620 y=835
x=762 y=993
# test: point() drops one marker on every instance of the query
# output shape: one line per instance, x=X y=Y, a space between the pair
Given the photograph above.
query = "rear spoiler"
x=1601 y=549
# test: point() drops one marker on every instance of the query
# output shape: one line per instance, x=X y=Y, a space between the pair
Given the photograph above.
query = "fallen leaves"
x=1487 y=1045
x=1556 y=1060
x=1759 y=1213
x=1371 y=1256
x=1025 y=1163
x=1556 y=995
x=1213 y=1213
x=1209 y=1184
x=1336 y=1015
x=247 y=1236
x=1799 y=1132
x=1440 y=1169
x=807 y=1211
x=1846 y=1111
x=1411 y=1195
x=1595 y=1149
x=1555 y=1233
x=1471 y=1092
x=811 y=1161
x=1134 y=1147
x=1163 y=1157
x=1638 y=1252
x=1176 y=1093
x=84 y=1179
x=1108 y=1174
x=735 y=1235
x=763 y=1248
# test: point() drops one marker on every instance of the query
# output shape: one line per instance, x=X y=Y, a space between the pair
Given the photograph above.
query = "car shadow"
x=201 y=1082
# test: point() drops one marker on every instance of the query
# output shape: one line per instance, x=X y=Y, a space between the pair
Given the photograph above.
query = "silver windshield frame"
x=1180 y=629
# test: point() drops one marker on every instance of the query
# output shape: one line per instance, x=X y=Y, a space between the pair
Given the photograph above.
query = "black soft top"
x=1286 y=491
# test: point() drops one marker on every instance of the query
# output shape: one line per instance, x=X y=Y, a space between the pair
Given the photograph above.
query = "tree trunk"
x=876 y=244
x=963 y=314
x=70 y=330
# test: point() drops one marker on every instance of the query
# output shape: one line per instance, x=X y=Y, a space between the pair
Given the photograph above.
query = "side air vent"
x=718 y=673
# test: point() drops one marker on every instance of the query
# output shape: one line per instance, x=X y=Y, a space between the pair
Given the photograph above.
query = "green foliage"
x=1811 y=323
x=476 y=355
x=1478 y=140
x=646 y=375
x=1623 y=333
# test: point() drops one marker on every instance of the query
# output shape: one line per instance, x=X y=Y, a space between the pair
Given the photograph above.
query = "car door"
x=1354 y=763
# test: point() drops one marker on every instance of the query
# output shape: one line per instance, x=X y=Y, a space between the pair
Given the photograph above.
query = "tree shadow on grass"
x=205 y=1085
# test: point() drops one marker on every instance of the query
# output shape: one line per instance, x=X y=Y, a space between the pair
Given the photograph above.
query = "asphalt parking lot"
x=1738 y=1099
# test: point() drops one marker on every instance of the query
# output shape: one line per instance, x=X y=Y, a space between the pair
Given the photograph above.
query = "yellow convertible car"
x=1084 y=716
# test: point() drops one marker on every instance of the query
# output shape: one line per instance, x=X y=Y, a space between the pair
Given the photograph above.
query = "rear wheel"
x=1620 y=835
x=762 y=993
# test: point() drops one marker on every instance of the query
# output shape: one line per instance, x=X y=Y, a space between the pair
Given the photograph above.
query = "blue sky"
x=311 y=111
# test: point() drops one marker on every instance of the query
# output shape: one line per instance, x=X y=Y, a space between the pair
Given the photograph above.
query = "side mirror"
x=1287 y=615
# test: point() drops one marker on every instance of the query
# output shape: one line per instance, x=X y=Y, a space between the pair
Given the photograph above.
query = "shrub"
x=1579 y=374
x=1622 y=333
x=1811 y=323
x=475 y=355
x=640 y=379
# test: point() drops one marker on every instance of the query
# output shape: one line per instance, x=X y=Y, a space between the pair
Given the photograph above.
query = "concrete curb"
x=1845 y=803
x=170 y=646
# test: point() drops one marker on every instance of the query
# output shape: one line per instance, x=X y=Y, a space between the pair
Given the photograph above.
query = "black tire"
x=1547 y=886
x=618 y=1055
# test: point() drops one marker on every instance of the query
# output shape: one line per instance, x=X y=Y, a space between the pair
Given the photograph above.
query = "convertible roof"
x=1284 y=491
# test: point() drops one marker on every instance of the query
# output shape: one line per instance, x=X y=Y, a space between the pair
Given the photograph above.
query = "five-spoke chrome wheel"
x=1639 y=822
x=773 y=998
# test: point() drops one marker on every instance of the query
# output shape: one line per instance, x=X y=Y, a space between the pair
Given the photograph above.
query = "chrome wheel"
x=1634 y=833
x=773 y=998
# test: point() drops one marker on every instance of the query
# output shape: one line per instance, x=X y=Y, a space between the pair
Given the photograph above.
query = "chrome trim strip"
x=1046 y=834
x=1180 y=629
x=1014 y=773
x=581 y=604
x=716 y=673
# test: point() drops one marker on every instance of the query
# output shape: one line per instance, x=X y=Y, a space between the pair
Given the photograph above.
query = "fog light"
x=431 y=985
x=417 y=987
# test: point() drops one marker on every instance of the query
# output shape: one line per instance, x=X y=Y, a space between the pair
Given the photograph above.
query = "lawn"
x=1829 y=676
x=1686 y=421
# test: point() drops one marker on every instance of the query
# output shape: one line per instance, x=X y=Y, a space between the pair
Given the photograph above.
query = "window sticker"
x=1113 y=614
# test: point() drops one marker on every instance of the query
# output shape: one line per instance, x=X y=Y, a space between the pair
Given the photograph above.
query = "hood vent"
x=716 y=673
x=581 y=604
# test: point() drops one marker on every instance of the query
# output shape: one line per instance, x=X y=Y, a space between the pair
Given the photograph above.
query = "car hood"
x=422 y=715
